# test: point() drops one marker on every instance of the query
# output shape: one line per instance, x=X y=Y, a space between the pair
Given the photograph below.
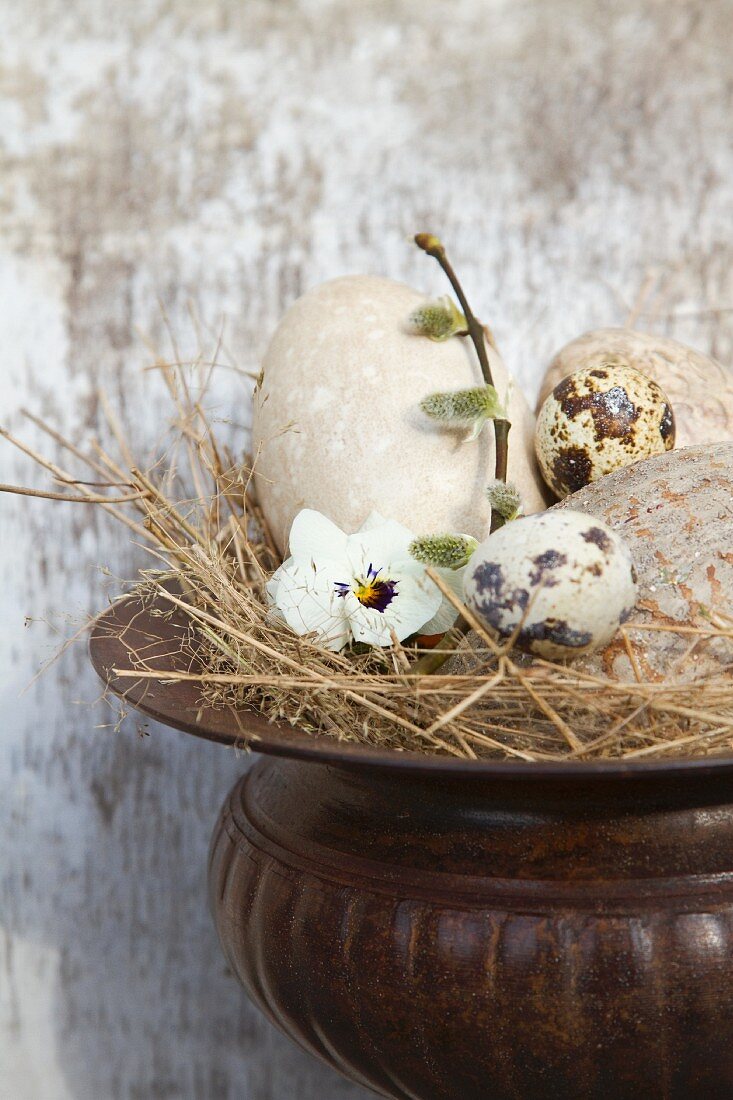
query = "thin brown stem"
x=431 y=662
x=501 y=431
x=465 y=622
x=479 y=336
x=60 y=473
x=23 y=491
x=435 y=248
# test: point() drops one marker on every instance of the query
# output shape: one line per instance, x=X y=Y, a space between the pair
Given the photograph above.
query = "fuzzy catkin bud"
x=443 y=551
x=429 y=243
x=464 y=406
x=438 y=319
x=504 y=498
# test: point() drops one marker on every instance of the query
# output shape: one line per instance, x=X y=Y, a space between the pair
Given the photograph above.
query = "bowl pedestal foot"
x=440 y=937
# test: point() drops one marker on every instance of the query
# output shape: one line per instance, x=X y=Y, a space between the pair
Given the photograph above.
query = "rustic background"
x=218 y=156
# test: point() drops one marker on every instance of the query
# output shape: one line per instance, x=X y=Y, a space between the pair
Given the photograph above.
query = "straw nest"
x=196 y=512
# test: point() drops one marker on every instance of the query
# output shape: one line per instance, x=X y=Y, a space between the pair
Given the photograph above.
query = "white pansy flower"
x=361 y=587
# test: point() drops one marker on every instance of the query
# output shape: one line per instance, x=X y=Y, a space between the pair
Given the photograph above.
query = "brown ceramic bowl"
x=439 y=929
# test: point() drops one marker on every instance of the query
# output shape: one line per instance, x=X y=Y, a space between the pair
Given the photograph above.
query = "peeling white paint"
x=230 y=156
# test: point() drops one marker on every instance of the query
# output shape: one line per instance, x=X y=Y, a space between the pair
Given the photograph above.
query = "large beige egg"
x=675 y=514
x=337 y=423
x=699 y=388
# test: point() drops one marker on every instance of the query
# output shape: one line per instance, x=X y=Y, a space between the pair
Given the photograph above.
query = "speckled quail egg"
x=699 y=387
x=598 y=420
x=563 y=580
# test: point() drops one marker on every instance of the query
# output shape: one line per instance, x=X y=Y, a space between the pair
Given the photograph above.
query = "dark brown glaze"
x=129 y=624
x=441 y=940
x=444 y=929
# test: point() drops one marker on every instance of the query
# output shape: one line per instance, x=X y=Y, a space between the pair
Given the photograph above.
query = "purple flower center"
x=371 y=590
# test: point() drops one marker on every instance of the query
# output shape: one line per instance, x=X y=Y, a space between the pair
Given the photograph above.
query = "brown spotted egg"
x=563 y=581
x=598 y=420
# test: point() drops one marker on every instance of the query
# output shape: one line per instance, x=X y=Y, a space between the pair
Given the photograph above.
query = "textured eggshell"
x=563 y=580
x=337 y=424
x=700 y=389
x=675 y=512
x=598 y=420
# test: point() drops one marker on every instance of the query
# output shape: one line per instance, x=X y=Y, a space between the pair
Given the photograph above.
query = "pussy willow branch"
x=479 y=335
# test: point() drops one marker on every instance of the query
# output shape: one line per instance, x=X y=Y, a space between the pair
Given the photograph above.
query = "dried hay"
x=196 y=513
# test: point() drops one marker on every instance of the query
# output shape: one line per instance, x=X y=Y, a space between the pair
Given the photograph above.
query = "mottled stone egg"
x=699 y=388
x=676 y=515
x=337 y=423
x=598 y=420
x=565 y=581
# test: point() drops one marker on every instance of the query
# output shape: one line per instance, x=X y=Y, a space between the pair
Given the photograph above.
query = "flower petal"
x=316 y=538
x=310 y=604
x=275 y=615
x=416 y=599
x=272 y=585
x=380 y=546
x=374 y=519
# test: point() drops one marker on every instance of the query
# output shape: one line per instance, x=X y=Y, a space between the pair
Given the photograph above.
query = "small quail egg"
x=563 y=580
x=700 y=388
x=598 y=420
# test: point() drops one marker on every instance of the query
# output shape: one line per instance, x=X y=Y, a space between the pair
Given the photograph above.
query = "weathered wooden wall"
x=229 y=153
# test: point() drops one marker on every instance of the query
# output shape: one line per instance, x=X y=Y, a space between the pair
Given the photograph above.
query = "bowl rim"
x=178 y=706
